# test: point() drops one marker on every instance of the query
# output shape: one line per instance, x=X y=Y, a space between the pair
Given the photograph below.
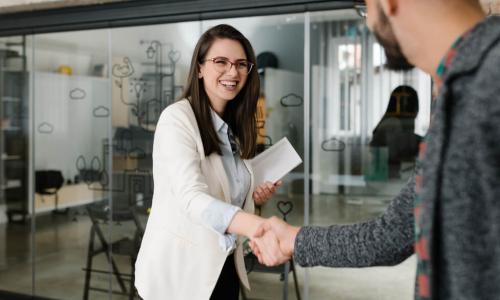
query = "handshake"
x=273 y=241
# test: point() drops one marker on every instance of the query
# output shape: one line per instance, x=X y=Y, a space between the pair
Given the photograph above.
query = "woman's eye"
x=220 y=62
x=243 y=65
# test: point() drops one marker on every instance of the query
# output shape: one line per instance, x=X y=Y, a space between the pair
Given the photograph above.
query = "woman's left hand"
x=265 y=191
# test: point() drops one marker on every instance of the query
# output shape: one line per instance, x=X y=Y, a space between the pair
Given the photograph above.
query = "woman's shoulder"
x=179 y=106
x=179 y=117
x=179 y=110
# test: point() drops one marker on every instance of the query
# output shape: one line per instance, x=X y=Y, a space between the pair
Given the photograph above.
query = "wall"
x=289 y=47
x=82 y=50
x=69 y=120
x=282 y=35
x=68 y=128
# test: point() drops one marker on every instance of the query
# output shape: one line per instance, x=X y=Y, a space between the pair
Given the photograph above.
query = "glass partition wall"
x=86 y=104
x=71 y=165
x=366 y=124
x=15 y=240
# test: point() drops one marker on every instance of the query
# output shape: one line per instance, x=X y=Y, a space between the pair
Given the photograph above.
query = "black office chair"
x=48 y=183
x=101 y=214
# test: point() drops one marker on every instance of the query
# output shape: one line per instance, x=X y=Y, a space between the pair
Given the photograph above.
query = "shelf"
x=11 y=157
x=11 y=128
x=11 y=184
x=10 y=99
x=13 y=134
x=12 y=70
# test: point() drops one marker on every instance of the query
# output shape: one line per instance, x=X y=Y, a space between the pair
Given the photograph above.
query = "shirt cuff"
x=218 y=215
x=227 y=242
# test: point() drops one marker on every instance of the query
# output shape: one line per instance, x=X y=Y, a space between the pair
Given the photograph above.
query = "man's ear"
x=390 y=7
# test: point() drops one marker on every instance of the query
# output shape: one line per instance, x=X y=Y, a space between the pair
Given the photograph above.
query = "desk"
x=68 y=196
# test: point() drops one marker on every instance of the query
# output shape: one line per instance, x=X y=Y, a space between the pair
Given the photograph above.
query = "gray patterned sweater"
x=460 y=193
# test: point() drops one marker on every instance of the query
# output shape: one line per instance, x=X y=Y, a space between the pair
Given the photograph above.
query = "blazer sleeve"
x=177 y=165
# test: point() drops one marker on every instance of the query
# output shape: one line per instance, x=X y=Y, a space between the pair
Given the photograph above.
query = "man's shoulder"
x=491 y=58
x=478 y=53
x=481 y=81
x=485 y=81
x=489 y=50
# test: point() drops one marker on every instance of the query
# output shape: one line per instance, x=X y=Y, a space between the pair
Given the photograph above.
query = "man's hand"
x=272 y=235
x=267 y=250
x=265 y=191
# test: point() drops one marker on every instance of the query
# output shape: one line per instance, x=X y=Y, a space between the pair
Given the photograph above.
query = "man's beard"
x=396 y=60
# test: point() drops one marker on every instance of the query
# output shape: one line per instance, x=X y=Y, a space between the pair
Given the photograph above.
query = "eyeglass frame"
x=232 y=63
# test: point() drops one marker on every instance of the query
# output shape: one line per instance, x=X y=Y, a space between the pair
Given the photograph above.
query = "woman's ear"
x=200 y=76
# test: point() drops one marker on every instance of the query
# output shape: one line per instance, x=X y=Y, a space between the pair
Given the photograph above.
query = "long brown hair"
x=240 y=112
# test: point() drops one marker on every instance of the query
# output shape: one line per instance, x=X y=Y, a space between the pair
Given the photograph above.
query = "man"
x=449 y=212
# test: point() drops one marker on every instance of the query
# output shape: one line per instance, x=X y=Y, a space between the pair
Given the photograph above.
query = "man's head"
x=409 y=29
x=379 y=24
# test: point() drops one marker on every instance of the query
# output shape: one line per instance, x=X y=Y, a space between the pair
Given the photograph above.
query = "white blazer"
x=180 y=257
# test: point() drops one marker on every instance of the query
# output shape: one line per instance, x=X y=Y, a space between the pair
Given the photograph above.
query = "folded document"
x=274 y=163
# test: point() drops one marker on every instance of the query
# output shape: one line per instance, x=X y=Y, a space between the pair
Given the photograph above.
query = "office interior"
x=78 y=113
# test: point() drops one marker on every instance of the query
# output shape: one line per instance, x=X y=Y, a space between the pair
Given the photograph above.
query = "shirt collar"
x=219 y=124
x=450 y=55
x=475 y=47
x=462 y=43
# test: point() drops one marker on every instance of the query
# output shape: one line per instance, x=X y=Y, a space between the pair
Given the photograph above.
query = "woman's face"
x=223 y=81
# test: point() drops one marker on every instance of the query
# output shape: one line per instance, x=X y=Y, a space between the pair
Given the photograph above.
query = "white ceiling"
x=10 y=6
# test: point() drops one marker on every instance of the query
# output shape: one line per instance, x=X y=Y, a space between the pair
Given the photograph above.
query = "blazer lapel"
x=249 y=205
x=250 y=208
x=220 y=173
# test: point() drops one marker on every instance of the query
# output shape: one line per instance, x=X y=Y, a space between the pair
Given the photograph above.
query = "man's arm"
x=386 y=240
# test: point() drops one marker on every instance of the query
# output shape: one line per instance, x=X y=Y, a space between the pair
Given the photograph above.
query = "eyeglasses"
x=222 y=64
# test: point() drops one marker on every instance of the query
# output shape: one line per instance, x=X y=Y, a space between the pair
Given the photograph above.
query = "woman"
x=204 y=195
x=396 y=129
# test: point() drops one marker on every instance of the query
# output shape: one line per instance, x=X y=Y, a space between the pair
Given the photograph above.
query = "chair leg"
x=107 y=249
x=285 y=281
x=90 y=256
x=132 y=280
x=297 y=291
x=116 y=271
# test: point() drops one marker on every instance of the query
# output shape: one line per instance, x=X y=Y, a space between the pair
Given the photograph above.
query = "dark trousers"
x=228 y=284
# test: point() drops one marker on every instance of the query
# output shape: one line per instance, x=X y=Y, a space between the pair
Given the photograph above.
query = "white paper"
x=274 y=163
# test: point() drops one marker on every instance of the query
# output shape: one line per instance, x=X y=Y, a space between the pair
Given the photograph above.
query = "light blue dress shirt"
x=220 y=214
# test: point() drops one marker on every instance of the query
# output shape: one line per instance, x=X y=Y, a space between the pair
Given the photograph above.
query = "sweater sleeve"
x=386 y=240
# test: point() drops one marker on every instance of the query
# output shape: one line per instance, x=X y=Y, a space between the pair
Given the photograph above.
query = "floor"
x=61 y=249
